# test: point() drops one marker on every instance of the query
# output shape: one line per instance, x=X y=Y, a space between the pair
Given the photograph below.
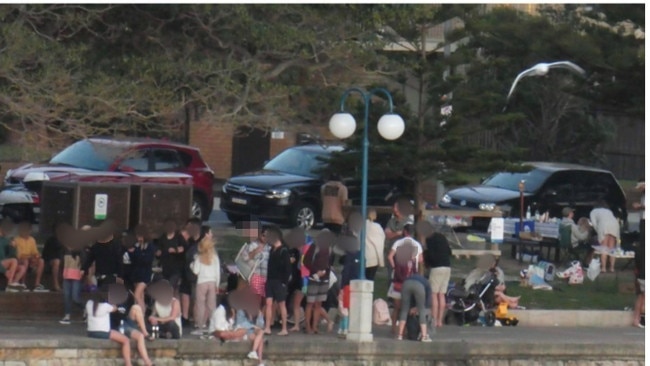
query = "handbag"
x=245 y=267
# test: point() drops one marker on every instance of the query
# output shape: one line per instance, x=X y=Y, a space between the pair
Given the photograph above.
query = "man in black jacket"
x=277 y=280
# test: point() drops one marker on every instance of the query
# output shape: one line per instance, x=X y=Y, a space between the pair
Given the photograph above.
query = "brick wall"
x=215 y=142
x=278 y=145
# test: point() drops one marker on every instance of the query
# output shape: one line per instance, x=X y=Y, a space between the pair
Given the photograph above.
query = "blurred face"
x=193 y=230
x=24 y=229
x=250 y=230
x=170 y=227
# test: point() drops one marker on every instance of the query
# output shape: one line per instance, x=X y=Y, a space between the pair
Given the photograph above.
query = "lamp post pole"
x=391 y=127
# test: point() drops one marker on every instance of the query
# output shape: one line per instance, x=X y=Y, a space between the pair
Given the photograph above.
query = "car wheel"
x=235 y=219
x=200 y=208
x=303 y=216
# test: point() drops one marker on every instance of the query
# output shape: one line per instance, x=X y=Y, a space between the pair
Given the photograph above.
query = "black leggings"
x=169 y=327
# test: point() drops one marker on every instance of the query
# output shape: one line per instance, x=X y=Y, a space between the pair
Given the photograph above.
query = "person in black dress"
x=53 y=254
x=142 y=255
x=171 y=251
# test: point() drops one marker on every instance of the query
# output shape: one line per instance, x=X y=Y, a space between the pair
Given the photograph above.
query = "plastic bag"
x=594 y=269
x=577 y=276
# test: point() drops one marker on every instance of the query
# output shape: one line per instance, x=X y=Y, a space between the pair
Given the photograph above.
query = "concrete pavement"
x=50 y=344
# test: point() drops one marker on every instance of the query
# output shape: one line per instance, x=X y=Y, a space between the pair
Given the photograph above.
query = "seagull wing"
x=569 y=66
x=521 y=75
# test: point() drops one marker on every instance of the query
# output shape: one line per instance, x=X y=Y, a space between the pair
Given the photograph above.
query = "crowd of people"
x=290 y=278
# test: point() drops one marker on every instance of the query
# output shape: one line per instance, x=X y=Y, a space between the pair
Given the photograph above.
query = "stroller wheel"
x=490 y=318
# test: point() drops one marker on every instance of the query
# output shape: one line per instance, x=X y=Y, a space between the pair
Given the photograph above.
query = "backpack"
x=401 y=273
x=413 y=327
x=380 y=312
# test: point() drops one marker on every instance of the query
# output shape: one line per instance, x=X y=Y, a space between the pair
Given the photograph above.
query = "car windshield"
x=88 y=155
x=510 y=181
x=298 y=162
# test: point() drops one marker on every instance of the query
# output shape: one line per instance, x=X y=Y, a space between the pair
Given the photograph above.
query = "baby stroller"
x=466 y=306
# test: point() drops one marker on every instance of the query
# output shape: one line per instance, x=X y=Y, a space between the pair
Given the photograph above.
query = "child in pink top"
x=72 y=275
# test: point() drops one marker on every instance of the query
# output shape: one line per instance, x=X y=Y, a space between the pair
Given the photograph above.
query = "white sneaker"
x=40 y=288
x=12 y=289
x=197 y=332
x=253 y=355
x=65 y=320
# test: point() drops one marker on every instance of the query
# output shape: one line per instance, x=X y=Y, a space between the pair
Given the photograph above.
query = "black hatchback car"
x=287 y=189
x=548 y=187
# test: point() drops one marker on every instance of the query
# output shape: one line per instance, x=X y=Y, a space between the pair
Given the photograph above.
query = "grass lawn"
x=602 y=294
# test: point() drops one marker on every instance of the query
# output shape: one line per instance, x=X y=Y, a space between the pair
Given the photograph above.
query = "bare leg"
x=317 y=314
x=138 y=294
x=137 y=316
x=91 y=274
x=126 y=346
x=185 y=306
x=395 y=314
x=258 y=342
x=56 y=265
x=512 y=302
x=283 y=316
x=324 y=315
x=142 y=347
x=268 y=314
x=400 y=331
x=309 y=310
x=297 y=299
x=10 y=264
x=434 y=307
x=423 y=330
x=20 y=272
x=40 y=265
x=442 y=306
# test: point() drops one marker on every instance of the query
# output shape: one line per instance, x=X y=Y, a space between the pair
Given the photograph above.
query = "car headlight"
x=487 y=206
x=278 y=193
x=446 y=199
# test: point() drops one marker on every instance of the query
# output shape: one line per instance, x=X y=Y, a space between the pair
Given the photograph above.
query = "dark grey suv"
x=287 y=189
x=548 y=187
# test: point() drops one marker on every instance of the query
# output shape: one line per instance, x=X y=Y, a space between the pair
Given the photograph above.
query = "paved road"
x=35 y=330
x=218 y=219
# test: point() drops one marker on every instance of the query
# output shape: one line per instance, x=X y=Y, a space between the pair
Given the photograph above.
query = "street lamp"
x=343 y=125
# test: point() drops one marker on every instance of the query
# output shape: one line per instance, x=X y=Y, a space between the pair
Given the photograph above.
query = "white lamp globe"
x=391 y=126
x=342 y=125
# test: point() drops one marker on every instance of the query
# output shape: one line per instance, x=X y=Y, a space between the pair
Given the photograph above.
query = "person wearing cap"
x=579 y=232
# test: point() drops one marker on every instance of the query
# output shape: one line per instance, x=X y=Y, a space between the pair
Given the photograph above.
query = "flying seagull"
x=541 y=69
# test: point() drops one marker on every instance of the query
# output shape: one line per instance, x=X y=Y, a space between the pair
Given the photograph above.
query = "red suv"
x=133 y=160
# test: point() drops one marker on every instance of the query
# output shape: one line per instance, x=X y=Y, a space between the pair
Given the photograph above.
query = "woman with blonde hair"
x=207 y=268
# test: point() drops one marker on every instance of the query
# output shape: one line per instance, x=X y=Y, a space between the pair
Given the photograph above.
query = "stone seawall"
x=323 y=352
